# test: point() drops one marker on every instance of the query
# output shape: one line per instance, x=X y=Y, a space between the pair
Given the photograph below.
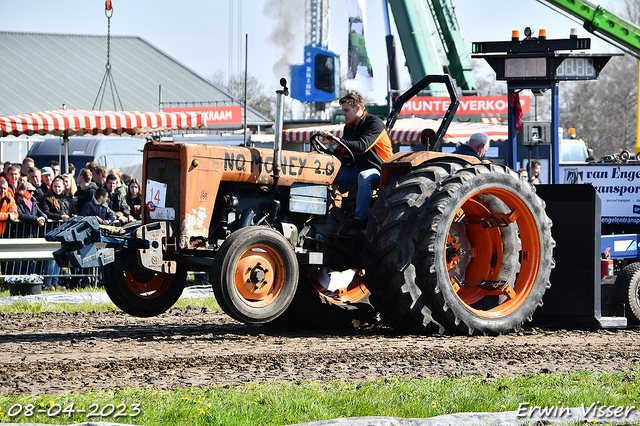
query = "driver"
x=366 y=136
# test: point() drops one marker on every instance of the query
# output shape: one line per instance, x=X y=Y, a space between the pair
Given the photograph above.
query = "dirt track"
x=57 y=353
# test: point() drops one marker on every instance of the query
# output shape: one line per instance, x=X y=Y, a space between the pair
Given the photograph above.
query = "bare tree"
x=485 y=79
x=632 y=10
x=604 y=112
x=258 y=97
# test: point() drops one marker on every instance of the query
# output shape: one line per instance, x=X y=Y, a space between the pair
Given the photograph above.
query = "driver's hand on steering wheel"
x=328 y=136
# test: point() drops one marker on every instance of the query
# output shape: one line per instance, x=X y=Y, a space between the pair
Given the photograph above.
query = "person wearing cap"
x=47 y=177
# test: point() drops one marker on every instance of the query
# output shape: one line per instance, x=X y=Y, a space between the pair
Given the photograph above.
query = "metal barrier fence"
x=21 y=254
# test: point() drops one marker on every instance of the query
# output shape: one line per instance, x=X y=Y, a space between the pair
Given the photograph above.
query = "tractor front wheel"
x=255 y=275
x=143 y=295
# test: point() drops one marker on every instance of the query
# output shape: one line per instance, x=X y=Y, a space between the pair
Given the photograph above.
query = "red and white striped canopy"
x=78 y=122
x=407 y=131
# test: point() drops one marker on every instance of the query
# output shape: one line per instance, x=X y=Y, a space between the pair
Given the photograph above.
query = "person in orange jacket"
x=13 y=178
x=8 y=207
x=365 y=135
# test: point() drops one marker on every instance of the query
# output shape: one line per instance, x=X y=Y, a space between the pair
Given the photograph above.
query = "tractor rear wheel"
x=626 y=289
x=143 y=295
x=466 y=249
x=328 y=299
x=255 y=275
x=389 y=249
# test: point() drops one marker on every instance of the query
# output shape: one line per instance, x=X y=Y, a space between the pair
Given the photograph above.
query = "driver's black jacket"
x=369 y=142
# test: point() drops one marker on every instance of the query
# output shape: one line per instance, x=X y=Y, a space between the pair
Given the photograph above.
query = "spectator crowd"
x=31 y=197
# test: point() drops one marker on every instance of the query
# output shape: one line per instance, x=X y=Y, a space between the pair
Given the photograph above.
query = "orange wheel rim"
x=260 y=275
x=483 y=251
x=352 y=292
x=149 y=289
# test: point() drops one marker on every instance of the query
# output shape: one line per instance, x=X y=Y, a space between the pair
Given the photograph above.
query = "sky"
x=208 y=36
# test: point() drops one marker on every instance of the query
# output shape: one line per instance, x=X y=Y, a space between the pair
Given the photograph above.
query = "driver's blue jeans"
x=367 y=180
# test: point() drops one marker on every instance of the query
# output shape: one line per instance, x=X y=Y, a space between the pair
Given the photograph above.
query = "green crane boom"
x=603 y=23
x=412 y=22
x=451 y=38
x=413 y=27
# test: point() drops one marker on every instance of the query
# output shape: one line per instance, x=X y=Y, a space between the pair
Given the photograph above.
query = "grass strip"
x=41 y=307
x=288 y=403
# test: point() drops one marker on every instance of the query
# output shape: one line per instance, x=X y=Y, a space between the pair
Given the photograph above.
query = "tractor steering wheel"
x=346 y=158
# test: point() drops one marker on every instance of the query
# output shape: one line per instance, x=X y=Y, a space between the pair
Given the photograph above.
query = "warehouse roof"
x=41 y=72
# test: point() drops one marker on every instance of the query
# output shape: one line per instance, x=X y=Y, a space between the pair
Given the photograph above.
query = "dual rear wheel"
x=457 y=248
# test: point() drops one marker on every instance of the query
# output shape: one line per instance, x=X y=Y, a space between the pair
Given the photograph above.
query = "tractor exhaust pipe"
x=277 y=143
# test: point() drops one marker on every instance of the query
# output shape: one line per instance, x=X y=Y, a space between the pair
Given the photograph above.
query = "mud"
x=59 y=353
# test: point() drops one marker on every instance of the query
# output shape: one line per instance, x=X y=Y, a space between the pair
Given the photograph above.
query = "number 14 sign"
x=156 y=193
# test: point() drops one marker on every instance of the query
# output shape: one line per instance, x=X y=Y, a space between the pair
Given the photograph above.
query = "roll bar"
x=417 y=88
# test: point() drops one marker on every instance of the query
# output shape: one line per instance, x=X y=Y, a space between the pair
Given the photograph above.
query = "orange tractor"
x=452 y=244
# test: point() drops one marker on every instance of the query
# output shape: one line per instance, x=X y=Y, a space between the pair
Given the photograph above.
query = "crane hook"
x=108 y=7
